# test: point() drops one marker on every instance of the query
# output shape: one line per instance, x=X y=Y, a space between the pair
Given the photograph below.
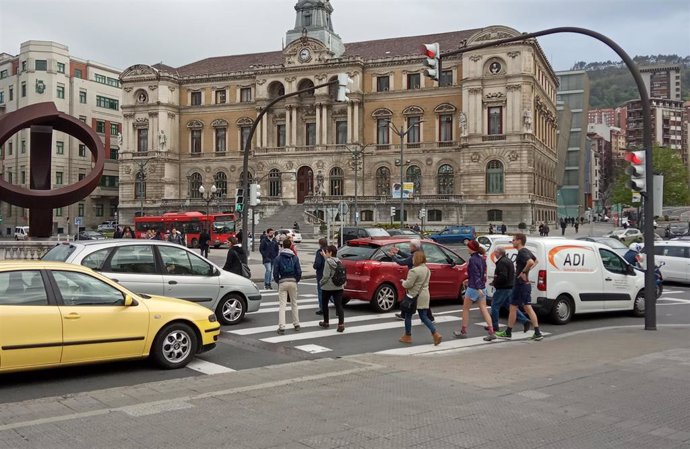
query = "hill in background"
x=611 y=84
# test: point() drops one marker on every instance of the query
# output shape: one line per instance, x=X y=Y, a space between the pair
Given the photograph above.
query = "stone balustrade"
x=25 y=250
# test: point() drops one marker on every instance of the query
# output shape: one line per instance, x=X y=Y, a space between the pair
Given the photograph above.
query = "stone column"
x=318 y=124
x=349 y=122
x=265 y=123
x=154 y=130
x=324 y=125
x=288 y=126
x=355 y=121
x=294 y=126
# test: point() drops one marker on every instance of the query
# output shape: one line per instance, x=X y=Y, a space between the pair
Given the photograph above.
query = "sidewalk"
x=613 y=388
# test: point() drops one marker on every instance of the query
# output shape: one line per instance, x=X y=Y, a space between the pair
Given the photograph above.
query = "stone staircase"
x=284 y=217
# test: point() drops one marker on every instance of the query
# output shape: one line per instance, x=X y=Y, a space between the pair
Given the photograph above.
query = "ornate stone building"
x=480 y=144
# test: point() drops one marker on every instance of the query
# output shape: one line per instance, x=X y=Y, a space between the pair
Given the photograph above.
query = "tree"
x=666 y=162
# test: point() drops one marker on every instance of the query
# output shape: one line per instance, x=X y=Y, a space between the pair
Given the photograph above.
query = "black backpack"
x=339 y=275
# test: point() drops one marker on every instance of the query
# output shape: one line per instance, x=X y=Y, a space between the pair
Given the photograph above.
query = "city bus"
x=190 y=224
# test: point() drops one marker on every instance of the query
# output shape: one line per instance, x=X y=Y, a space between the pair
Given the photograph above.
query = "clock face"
x=304 y=55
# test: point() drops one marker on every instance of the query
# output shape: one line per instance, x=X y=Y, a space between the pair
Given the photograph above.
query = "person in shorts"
x=476 y=290
x=522 y=291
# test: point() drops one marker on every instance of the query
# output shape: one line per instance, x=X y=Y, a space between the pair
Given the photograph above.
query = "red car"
x=372 y=276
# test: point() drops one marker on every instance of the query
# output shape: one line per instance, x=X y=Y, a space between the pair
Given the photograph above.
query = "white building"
x=45 y=71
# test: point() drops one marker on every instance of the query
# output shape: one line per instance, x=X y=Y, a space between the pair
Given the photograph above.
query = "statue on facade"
x=162 y=139
x=463 y=124
x=119 y=139
x=527 y=120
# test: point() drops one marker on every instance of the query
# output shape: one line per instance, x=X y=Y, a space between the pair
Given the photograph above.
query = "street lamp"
x=140 y=180
x=399 y=132
x=357 y=154
x=208 y=197
x=258 y=181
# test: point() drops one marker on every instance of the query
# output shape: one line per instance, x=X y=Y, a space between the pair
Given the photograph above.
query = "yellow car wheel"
x=174 y=346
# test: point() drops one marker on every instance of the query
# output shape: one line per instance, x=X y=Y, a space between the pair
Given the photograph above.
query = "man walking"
x=287 y=273
x=204 y=242
x=504 y=280
x=503 y=228
x=318 y=265
x=522 y=292
x=269 y=251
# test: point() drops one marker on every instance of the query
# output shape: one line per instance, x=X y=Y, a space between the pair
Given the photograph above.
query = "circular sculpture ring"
x=46 y=114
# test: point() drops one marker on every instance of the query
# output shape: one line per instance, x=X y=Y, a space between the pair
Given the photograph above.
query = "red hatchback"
x=373 y=277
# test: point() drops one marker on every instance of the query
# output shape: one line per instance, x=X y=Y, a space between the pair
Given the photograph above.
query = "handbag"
x=246 y=272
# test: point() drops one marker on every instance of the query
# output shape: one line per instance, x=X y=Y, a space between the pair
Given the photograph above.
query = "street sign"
x=78 y=221
x=343 y=209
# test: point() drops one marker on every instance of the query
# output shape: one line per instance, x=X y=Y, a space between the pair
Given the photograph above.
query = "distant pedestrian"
x=577 y=226
x=175 y=236
x=295 y=226
x=563 y=226
x=239 y=236
x=491 y=228
x=476 y=290
x=287 y=273
x=329 y=289
x=204 y=242
x=503 y=282
x=522 y=291
x=417 y=285
x=235 y=258
x=158 y=235
x=127 y=233
x=546 y=230
x=504 y=228
x=318 y=266
x=269 y=251
x=118 y=233
x=541 y=230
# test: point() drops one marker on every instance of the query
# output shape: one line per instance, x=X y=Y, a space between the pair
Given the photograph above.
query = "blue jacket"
x=319 y=264
x=476 y=269
x=268 y=249
x=286 y=259
x=403 y=258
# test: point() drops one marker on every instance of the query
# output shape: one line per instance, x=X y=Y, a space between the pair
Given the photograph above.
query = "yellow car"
x=57 y=314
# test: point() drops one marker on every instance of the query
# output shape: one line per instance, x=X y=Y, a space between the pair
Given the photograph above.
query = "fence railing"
x=26 y=249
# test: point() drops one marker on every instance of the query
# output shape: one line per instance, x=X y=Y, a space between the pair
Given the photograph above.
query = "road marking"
x=205 y=367
x=272 y=328
x=301 y=301
x=295 y=336
x=275 y=309
x=451 y=345
x=676 y=300
x=313 y=349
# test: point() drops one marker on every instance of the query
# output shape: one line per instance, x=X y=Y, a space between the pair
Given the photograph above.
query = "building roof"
x=368 y=50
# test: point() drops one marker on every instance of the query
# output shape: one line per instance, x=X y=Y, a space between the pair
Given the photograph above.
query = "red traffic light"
x=635 y=157
x=430 y=50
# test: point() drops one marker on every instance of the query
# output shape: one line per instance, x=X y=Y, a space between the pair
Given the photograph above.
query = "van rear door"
x=574 y=269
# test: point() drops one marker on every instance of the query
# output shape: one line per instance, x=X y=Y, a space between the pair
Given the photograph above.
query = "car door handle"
x=608 y=279
x=72 y=316
x=172 y=282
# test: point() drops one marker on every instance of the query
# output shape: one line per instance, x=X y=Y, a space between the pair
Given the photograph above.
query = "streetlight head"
x=213 y=188
x=202 y=190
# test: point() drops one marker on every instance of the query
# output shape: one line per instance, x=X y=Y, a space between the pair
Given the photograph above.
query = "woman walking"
x=476 y=290
x=417 y=285
x=329 y=290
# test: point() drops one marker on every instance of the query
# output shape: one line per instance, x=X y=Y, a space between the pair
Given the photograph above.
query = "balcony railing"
x=493 y=138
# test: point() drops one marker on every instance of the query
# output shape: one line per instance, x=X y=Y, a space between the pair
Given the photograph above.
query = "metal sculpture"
x=40 y=199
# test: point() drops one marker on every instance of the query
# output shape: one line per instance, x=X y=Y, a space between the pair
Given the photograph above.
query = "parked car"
x=627 y=236
x=454 y=234
x=675 y=254
x=404 y=234
x=676 y=230
x=21 y=232
x=56 y=314
x=162 y=268
x=359 y=232
x=107 y=226
x=89 y=235
x=616 y=245
x=373 y=277
x=294 y=234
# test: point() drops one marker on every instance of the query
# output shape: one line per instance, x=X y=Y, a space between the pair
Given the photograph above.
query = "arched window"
x=383 y=181
x=367 y=215
x=275 y=189
x=140 y=186
x=305 y=84
x=414 y=175
x=434 y=215
x=494 y=177
x=446 y=184
x=336 y=180
x=195 y=181
x=221 y=183
x=494 y=215
x=276 y=89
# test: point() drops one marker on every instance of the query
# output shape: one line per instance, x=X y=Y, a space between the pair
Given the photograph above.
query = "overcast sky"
x=121 y=33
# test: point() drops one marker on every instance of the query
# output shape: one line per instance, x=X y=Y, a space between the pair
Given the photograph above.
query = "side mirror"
x=451 y=262
x=631 y=271
x=130 y=301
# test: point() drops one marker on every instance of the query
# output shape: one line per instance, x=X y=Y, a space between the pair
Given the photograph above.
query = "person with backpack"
x=332 y=282
x=236 y=258
x=287 y=273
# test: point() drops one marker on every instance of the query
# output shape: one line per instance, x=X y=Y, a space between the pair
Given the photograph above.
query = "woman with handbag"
x=417 y=297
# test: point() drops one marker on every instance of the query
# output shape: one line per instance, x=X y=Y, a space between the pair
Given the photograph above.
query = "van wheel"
x=385 y=298
x=638 y=305
x=231 y=309
x=563 y=310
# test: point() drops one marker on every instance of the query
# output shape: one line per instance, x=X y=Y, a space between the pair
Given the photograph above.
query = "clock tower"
x=314 y=21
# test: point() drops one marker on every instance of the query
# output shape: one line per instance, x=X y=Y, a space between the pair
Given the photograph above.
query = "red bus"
x=190 y=224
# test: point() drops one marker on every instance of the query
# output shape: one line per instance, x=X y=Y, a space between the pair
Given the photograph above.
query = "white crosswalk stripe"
x=451 y=344
x=205 y=367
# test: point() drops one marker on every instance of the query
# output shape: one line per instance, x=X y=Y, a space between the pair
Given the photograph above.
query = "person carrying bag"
x=417 y=288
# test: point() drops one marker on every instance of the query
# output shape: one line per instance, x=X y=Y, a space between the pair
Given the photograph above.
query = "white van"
x=575 y=276
x=675 y=254
x=21 y=232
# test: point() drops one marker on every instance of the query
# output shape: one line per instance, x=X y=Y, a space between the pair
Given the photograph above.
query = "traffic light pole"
x=248 y=147
x=649 y=284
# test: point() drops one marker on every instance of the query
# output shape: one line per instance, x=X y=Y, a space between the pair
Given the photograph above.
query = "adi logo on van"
x=511 y=252
x=573 y=258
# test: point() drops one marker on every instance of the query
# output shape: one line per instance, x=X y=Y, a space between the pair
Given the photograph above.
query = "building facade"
x=573 y=91
x=667 y=124
x=662 y=81
x=605 y=116
x=480 y=144
x=45 y=71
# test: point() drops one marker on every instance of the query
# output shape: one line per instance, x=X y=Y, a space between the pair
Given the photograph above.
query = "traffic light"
x=433 y=60
x=254 y=194
x=239 y=200
x=392 y=211
x=636 y=170
x=422 y=213
x=344 y=84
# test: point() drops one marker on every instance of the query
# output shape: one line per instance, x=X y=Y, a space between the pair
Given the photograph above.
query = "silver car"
x=163 y=268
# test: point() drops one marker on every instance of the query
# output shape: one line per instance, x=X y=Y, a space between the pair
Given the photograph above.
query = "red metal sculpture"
x=40 y=199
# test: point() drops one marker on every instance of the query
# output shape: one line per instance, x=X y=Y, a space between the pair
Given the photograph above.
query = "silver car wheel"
x=385 y=298
x=176 y=346
x=232 y=309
